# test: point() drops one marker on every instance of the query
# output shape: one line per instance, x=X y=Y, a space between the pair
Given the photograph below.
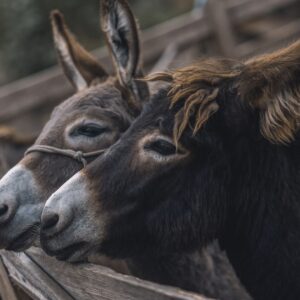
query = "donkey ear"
x=79 y=66
x=122 y=36
x=271 y=84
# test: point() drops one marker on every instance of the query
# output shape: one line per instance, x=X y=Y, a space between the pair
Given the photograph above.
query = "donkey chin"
x=71 y=245
x=19 y=222
x=69 y=229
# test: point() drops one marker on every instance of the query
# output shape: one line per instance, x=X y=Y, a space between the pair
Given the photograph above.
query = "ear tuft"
x=57 y=18
x=121 y=31
x=122 y=35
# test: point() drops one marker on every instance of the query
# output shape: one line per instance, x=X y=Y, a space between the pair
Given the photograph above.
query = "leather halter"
x=77 y=155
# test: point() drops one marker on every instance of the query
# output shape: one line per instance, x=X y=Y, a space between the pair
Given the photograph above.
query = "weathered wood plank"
x=96 y=282
x=245 y=10
x=21 y=294
x=6 y=288
x=218 y=17
x=166 y=59
x=270 y=40
x=89 y=282
x=33 y=279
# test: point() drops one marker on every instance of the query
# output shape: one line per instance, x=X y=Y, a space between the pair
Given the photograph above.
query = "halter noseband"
x=77 y=155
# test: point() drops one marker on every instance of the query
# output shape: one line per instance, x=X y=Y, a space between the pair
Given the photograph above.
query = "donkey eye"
x=89 y=130
x=162 y=147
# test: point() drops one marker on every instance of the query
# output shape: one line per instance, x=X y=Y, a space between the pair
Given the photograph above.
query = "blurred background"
x=25 y=34
x=174 y=33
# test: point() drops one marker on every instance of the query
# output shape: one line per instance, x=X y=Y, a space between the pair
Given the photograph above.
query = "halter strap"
x=77 y=155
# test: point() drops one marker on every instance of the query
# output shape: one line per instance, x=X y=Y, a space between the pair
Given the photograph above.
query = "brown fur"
x=128 y=66
x=86 y=64
x=198 y=87
x=267 y=83
x=276 y=94
x=106 y=7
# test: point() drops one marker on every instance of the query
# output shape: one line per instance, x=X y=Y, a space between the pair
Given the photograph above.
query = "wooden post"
x=6 y=288
x=217 y=16
x=37 y=283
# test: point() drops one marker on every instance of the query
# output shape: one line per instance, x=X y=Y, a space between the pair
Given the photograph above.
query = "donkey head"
x=93 y=119
x=169 y=183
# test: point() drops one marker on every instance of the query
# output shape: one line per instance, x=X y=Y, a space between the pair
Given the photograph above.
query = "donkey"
x=215 y=155
x=93 y=119
x=100 y=111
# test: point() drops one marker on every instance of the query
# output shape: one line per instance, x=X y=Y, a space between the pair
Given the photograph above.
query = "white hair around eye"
x=160 y=148
x=87 y=132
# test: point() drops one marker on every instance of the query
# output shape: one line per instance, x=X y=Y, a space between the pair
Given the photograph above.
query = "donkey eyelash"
x=84 y=128
x=89 y=130
x=162 y=150
x=161 y=146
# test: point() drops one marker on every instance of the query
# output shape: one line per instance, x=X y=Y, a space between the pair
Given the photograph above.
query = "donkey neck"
x=262 y=236
x=206 y=271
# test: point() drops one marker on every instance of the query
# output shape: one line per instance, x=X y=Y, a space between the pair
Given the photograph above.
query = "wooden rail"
x=32 y=271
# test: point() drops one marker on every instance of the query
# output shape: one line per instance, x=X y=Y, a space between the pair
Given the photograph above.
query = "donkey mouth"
x=73 y=253
x=25 y=239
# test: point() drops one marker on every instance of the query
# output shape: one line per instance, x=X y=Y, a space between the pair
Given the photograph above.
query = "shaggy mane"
x=275 y=90
x=197 y=87
x=269 y=83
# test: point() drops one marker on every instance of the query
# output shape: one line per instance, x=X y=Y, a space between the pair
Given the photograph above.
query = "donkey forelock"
x=195 y=89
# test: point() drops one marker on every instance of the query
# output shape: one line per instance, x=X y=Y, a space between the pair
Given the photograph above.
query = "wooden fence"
x=49 y=279
x=232 y=28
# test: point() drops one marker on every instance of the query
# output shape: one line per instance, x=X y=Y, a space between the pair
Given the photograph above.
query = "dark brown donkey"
x=223 y=162
x=93 y=119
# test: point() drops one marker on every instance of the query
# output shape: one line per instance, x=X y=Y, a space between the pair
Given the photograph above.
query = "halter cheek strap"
x=77 y=155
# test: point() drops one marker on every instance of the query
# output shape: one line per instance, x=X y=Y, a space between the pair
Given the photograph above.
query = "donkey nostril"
x=49 y=221
x=3 y=209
